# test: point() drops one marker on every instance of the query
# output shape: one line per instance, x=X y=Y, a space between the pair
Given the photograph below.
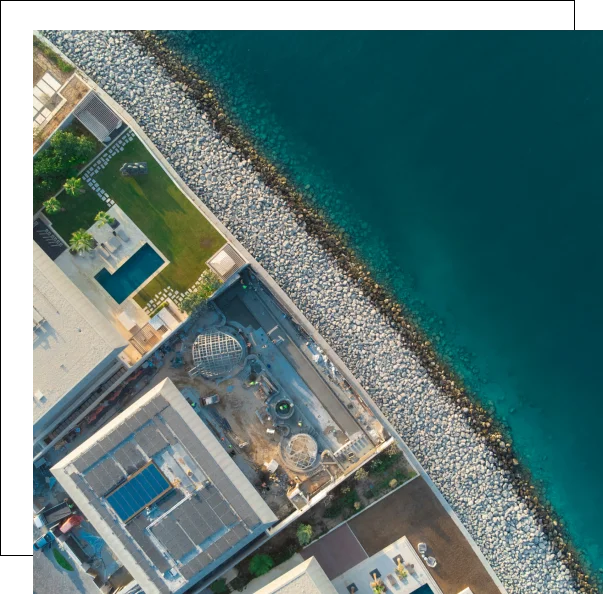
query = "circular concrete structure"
x=300 y=452
x=283 y=408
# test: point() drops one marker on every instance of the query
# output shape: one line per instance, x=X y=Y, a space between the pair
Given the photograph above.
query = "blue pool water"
x=473 y=161
x=424 y=589
x=130 y=275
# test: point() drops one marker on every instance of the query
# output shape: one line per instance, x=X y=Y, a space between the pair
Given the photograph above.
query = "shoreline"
x=333 y=242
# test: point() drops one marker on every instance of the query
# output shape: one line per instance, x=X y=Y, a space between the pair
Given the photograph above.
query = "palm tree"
x=52 y=206
x=74 y=186
x=104 y=218
x=304 y=534
x=81 y=242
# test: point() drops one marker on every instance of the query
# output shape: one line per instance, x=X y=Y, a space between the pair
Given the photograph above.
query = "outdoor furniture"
x=113 y=244
x=104 y=251
x=392 y=580
x=121 y=234
x=422 y=548
x=431 y=562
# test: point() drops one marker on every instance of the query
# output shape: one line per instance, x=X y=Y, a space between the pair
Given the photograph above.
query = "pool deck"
x=81 y=270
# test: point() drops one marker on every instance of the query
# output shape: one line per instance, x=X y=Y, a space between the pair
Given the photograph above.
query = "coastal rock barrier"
x=455 y=440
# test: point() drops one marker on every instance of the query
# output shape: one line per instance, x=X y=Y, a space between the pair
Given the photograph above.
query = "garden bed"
x=383 y=474
x=68 y=152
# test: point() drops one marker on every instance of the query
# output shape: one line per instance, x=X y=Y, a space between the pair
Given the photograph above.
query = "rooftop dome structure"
x=216 y=352
x=300 y=453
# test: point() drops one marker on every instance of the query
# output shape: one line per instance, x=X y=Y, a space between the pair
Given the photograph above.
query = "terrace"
x=149 y=251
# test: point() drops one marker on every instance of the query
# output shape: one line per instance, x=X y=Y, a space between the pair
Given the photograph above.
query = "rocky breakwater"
x=454 y=439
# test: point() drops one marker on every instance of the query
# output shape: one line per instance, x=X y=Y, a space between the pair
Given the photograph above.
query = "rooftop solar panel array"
x=139 y=491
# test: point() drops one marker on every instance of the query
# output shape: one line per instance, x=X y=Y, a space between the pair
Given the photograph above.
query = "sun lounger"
x=122 y=234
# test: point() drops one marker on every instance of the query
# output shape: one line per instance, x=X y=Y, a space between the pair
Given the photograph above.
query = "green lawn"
x=79 y=212
x=165 y=215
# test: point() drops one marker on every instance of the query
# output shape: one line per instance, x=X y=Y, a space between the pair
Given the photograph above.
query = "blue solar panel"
x=138 y=491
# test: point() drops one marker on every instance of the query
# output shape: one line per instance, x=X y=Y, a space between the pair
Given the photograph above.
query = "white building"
x=164 y=494
x=75 y=348
x=306 y=578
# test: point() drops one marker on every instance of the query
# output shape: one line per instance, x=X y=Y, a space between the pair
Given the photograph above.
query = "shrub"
x=219 y=587
x=240 y=582
x=260 y=564
x=361 y=474
x=384 y=461
x=344 y=504
x=208 y=286
x=304 y=534
x=393 y=483
x=52 y=56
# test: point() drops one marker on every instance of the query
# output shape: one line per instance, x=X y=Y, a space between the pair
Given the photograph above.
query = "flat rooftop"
x=306 y=578
x=70 y=338
x=163 y=493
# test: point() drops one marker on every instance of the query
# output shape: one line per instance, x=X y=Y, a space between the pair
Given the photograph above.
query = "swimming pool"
x=130 y=275
x=424 y=589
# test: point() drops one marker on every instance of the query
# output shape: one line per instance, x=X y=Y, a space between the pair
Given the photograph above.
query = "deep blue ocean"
x=469 y=165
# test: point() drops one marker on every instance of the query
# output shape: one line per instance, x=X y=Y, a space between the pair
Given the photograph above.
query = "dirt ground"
x=74 y=92
x=414 y=511
x=41 y=65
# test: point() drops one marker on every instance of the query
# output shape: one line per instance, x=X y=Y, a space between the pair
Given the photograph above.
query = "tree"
x=260 y=564
x=81 y=242
x=361 y=474
x=104 y=218
x=52 y=206
x=74 y=150
x=74 y=186
x=208 y=286
x=304 y=534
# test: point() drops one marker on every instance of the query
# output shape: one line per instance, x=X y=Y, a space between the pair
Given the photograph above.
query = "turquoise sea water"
x=475 y=161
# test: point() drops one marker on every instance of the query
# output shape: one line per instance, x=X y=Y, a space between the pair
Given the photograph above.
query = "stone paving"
x=98 y=165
